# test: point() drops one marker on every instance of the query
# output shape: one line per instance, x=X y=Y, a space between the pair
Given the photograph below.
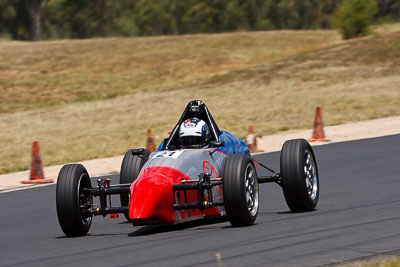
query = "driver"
x=194 y=133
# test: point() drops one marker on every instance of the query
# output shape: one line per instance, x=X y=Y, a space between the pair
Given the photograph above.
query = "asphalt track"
x=358 y=217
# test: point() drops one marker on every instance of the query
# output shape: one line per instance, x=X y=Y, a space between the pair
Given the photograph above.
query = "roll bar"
x=197 y=109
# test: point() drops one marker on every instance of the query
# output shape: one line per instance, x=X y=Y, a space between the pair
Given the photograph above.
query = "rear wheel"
x=130 y=168
x=300 y=180
x=72 y=201
x=240 y=189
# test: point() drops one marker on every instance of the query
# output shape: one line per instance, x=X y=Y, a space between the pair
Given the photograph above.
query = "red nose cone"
x=152 y=197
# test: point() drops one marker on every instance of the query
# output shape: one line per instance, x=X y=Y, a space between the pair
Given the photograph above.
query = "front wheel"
x=130 y=169
x=299 y=172
x=73 y=201
x=240 y=190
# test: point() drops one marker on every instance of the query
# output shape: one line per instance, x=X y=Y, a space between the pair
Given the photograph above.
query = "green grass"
x=96 y=98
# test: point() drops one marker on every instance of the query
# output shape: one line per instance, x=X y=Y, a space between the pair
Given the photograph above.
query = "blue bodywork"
x=233 y=145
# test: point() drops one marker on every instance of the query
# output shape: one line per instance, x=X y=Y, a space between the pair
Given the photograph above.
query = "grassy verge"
x=273 y=80
x=380 y=262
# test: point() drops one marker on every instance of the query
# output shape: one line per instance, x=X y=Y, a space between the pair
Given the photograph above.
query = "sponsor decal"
x=167 y=154
x=191 y=123
x=208 y=168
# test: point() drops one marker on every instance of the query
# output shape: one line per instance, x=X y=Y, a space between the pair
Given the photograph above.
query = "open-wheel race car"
x=199 y=171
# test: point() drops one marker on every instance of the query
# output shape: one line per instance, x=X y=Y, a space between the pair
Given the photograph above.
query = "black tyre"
x=72 y=202
x=299 y=172
x=130 y=168
x=240 y=190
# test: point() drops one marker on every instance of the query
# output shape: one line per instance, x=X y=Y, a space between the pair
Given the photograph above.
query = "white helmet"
x=194 y=133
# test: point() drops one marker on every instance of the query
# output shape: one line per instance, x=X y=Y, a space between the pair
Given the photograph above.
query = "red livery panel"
x=152 y=198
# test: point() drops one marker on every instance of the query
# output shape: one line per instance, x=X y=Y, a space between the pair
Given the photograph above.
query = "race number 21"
x=167 y=154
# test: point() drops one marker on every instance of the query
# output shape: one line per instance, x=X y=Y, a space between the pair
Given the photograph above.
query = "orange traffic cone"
x=318 y=133
x=150 y=141
x=36 y=176
x=251 y=140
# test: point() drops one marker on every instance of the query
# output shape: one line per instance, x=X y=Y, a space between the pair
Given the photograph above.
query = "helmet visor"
x=192 y=141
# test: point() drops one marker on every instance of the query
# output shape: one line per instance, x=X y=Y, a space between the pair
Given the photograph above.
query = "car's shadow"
x=156 y=229
x=296 y=213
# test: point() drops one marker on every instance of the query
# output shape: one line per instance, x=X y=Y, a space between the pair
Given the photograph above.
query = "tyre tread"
x=68 y=212
x=293 y=177
x=234 y=191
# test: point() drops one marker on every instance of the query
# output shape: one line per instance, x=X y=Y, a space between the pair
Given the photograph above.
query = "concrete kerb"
x=95 y=167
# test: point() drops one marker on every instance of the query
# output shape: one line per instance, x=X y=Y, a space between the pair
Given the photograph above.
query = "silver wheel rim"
x=251 y=185
x=85 y=202
x=311 y=175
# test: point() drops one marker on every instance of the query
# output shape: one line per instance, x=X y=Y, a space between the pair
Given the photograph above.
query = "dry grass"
x=386 y=28
x=354 y=80
x=393 y=261
x=54 y=72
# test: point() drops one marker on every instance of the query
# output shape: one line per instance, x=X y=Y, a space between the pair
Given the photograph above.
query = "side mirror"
x=217 y=143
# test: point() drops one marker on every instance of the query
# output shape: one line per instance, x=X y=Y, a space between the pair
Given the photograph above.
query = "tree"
x=354 y=17
x=327 y=9
x=88 y=19
x=7 y=15
x=37 y=12
x=206 y=16
x=54 y=19
x=152 y=18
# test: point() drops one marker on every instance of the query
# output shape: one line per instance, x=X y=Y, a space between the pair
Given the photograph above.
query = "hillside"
x=98 y=97
x=51 y=73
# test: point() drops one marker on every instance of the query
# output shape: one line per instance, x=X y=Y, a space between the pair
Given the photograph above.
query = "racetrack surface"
x=358 y=216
